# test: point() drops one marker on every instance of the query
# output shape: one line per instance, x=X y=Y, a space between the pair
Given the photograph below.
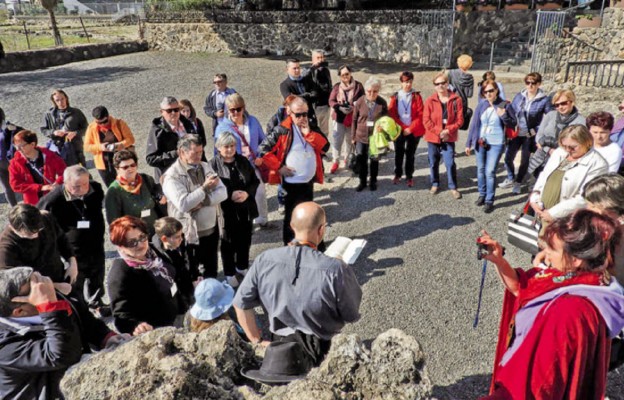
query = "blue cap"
x=212 y=299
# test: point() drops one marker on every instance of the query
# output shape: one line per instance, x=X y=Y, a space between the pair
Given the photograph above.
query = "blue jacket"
x=507 y=120
x=540 y=106
x=7 y=150
x=256 y=134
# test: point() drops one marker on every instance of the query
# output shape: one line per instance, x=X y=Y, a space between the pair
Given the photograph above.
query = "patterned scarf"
x=132 y=187
x=152 y=263
x=346 y=92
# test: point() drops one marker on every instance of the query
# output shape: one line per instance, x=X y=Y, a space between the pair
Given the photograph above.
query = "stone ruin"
x=171 y=363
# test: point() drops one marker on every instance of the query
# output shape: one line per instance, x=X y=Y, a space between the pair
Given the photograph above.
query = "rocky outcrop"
x=170 y=363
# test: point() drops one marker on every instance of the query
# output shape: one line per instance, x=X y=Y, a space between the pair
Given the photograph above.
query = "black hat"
x=283 y=362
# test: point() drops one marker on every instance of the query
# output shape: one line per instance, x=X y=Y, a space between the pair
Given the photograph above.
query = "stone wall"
x=37 y=59
x=387 y=35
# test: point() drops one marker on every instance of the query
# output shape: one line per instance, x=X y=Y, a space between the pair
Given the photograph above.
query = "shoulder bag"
x=523 y=230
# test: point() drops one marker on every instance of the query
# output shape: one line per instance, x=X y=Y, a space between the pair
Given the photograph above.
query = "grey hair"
x=372 y=81
x=187 y=141
x=167 y=100
x=11 y=280
x=74 y=172
x=225 y=139
x=318 y=51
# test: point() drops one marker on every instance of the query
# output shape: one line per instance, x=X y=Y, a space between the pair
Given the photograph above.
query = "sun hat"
x=283 y=362
x=212 y=299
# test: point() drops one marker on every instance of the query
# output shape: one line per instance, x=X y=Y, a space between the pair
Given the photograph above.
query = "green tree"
x=50 y=5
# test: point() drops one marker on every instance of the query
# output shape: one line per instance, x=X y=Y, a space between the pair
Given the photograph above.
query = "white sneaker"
x=232 y=281
x=517 y=188
x=281 y=209
x=507 y=183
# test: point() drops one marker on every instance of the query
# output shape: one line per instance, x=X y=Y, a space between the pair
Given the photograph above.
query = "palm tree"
x=49 y=5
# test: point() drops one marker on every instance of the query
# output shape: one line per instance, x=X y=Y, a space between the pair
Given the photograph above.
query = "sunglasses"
x=301 y=114
x=217 y=82
x=237 y=110
x=125 y=167
x=439 y=83
x=530 y=83
x=563 y=103
x=489 y=91
x=172 y=110
x=132 y=243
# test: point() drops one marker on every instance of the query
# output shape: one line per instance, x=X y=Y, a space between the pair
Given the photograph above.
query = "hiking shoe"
x=480 y=201
x=507 y=183
x=360 y=187
x=396 y=180
x=373 y=186
x=517 y=188
x=455 y=193
x=488 y=208
x=434 y=190
x=334 y=168
x=410 y=183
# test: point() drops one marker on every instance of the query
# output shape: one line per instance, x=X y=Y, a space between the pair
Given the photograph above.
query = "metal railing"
x=606 y=74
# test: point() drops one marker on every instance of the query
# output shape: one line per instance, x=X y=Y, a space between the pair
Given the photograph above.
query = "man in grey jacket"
x=194 y=191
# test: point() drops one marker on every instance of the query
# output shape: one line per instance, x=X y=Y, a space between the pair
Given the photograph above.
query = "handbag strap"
x=240 y=134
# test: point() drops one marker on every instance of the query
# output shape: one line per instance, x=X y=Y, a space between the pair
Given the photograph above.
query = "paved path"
x=419 y=270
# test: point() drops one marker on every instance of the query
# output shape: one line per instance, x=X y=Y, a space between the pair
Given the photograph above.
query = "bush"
x=184 y=5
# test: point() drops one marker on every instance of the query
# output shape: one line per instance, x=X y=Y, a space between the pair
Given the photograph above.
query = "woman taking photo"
x=556 y=324
x=530 y=106
x=141 y=286
x=564 y=114
x=487 y=136
x=239 y=210
x=442 y=118
x=558 y=190
x=366 y=110
x=133 y=193
x=248 y=133
x=406 y=108
x=341 y=99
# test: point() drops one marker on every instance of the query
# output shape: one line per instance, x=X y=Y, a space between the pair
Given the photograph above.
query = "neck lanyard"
x=300 y=244
x=406 y=102
x=299 y=135
x=371 y=110
x=82 y=211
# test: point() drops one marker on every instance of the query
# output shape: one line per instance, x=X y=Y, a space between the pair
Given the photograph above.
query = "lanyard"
x=299 y=135
x=80 y=212
x=406 y=102
x=300 y=244
x=33 y=167
x=371 y=111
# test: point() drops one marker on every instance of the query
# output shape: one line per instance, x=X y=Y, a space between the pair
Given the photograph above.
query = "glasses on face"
x=132 y=243
x=489 y=91
x=561 y=104
x=236 y=110
x=217 y=82
x=26 y=234
x=439 y=83
x=125 y=167
x=530 y=83
x=172 y=110
x=570 y=148
x=301 y=114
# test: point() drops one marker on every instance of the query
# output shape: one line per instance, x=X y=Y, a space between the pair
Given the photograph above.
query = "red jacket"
x=416 y=112
x=276 y=146
x=432 y=117
x=22 y=181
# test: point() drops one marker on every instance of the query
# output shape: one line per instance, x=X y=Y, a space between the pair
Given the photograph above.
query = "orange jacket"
x=432 y=117
x=92 y=139
x=276 y=146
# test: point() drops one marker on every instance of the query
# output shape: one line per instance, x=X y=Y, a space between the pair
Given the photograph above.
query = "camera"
x=483 y=143
x=482 y=250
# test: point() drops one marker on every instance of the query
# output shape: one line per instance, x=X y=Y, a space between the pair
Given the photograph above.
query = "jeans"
x=363 y=159
x=405 y=146
x=4 y=181
x=296 y=193
x=446 y=151
x=487 y=161
x=525 y=144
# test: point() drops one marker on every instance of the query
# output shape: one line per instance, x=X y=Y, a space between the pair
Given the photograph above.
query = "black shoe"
x=373 y=186
x=489 y=207
x=360 y=187
x=480 y=201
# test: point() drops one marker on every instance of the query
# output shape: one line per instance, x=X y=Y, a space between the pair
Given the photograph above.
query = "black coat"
x=310 y=93
x=136 y=296
x=87 y=243
x=322 y=78
x=185 y=274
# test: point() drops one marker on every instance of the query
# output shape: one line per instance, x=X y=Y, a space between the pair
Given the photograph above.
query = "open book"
x=346 y=249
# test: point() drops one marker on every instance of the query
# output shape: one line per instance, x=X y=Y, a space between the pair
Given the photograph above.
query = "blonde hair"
x=441 y=74
x=197 y=325
x=564 y=92
x=464 y=62
x=578 y=133
x=235 y=100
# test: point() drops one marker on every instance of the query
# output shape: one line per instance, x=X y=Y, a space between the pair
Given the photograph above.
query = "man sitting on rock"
x=308 y=296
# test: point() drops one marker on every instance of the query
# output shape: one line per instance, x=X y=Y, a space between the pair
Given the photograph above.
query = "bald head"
x=307 y=218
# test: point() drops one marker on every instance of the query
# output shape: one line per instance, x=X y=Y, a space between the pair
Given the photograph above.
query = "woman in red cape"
x=557 y=322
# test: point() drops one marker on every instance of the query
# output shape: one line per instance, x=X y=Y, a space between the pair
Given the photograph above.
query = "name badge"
x=406 y=116
x=309 y=154
x=146 y=213
x=83 y=225
x=174 y=289
x=370 y=124
x=444 y=121
x=488 y=130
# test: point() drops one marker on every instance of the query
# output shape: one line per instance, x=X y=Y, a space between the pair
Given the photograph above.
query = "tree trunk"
x=55 y=32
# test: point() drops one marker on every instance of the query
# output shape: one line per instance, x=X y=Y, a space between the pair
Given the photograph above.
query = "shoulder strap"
x=253 y=154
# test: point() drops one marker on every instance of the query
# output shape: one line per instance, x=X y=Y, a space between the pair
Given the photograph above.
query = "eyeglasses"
x=26 y=234
x=570 y=148
x=236 y=110
x=217 y=82
x=132 y=243
x=563 y=103
x=301 y=114
x=489 y=91
x=125 y=167
x=530 y=83
x=171 y=110
x=440 y=83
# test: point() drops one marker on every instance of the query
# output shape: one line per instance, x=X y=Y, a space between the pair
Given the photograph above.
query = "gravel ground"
x=418 y=272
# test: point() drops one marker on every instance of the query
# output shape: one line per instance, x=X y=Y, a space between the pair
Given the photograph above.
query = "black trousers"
x=205 y=255
x=235 y=248
x=405 y=146
x=107 y=176
x=296 y=193
x=4 y=181
x=362 y=158
x=90 y=282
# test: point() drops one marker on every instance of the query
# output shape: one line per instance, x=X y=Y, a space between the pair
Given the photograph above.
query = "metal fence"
x=607 y=74
x=546 y=49
x=438 y=35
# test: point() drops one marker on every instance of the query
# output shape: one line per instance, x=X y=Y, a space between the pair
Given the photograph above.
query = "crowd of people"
x=170 y=227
